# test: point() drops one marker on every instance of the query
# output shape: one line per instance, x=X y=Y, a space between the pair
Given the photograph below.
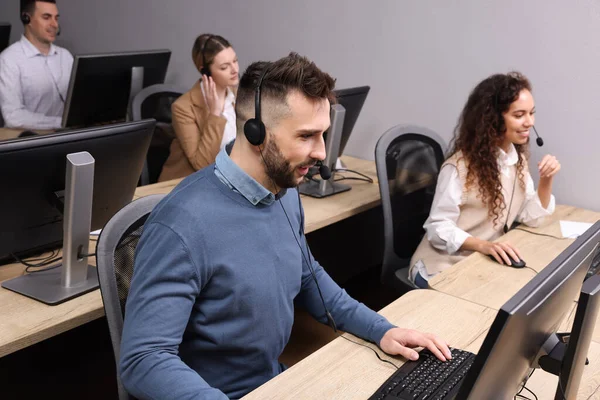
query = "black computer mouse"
x=515 y=264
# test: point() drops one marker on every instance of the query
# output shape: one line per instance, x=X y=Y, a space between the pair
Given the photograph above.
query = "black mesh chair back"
x=115 y=254
x=408 y=160
x=155 y=101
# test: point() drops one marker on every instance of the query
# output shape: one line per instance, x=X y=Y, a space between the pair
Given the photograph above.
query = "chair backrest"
x=155 y=102
x=408 y=160
x=115 y=253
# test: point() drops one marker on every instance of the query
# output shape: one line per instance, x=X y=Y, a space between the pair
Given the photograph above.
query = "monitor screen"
x=352 y=99
x=524 y=324
x=101 y=85
x=4 y=35
x=33 y=179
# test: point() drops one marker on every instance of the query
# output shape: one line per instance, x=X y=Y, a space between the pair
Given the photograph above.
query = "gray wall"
x=421 y=58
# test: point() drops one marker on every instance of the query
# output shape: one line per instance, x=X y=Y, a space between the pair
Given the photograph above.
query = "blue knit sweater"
x=216 y=277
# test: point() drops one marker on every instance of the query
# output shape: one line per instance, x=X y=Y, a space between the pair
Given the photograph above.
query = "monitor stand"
x=74 y=277
x=322 y=188
x=137 y=84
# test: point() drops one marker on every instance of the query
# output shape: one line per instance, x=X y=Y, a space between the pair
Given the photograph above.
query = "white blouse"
x=229 y=113
x=441 y=226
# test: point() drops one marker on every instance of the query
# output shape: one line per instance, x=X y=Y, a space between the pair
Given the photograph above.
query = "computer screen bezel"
x=569 y=262
x=73 y=78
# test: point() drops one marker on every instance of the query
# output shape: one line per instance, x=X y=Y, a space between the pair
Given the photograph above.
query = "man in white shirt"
x=34 y=73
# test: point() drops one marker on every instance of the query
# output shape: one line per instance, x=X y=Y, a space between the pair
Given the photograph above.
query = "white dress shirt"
x=33 y=86
x=229 y=114
x=441 y=226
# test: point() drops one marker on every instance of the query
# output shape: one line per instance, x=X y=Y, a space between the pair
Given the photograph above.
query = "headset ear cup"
x=254 y=131
x=25 y=18
x=205 y=71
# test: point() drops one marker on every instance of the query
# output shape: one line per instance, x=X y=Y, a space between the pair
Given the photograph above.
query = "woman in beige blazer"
x=204 y=117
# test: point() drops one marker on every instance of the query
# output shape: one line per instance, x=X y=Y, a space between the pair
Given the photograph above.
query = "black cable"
x=44 y=263
x=352 y=178
x=312 y=272
x=541 y=234
x=372 y=349
x=521 y=396
x=367 y=178
x=529 y=390
x=531 y=269
x=524 y=387
x=53 y=254
x=525 y=383
x=30 y=271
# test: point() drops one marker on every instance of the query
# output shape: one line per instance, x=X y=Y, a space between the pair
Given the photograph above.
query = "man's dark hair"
x=288 y=74
x=28 y=6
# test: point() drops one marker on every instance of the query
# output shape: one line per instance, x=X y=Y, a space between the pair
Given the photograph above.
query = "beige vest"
x=473 y=217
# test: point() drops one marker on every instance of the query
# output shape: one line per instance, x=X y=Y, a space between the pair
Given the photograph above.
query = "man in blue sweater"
x=223 y=258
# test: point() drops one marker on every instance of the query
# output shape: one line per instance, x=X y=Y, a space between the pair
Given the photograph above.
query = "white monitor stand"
x=74 y=277
x=324 y=188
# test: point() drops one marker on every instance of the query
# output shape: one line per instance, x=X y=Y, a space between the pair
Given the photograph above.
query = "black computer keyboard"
x=427 y=378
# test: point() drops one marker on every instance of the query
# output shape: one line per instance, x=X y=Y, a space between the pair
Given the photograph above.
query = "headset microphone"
x=539 y=140
x=324 y=170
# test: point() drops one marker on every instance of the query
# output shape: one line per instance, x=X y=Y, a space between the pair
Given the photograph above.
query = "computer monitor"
x=575 y=356
x=4 y=35
x=33 y=180
x=343 y=117
x=102 y=85
x=526 y=324
x=352 y=100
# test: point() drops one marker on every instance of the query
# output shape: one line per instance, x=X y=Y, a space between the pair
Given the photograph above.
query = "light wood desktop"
x=485 y=282
x=344 y=370
x=24 y=321
x=13 y=133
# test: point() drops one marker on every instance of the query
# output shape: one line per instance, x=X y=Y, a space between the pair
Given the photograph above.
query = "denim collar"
x=239 y=181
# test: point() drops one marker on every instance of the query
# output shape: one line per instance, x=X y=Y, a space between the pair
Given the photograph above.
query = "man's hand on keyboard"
x=402 y=341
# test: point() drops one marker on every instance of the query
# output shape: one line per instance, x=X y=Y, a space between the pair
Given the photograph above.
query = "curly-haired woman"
x=485 y=185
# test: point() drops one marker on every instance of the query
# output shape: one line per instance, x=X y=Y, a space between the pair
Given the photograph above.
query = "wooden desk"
x=344 y=370
x=319 y=212
x=9 y=133
x=13 y=133
x=488 y=283
x=24 y=321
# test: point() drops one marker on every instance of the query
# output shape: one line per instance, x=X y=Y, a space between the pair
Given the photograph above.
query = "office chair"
x=155 y=102
x=115 y=252
x=408 y=160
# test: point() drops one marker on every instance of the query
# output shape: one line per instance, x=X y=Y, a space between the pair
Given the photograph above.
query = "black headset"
x=25 y=18
x=254 y=128
x=205 y=70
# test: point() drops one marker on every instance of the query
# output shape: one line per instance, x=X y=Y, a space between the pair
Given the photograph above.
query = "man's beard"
x=278 y=168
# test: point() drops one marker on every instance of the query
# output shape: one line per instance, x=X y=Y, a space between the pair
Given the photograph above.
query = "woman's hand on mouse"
x=501 y=251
